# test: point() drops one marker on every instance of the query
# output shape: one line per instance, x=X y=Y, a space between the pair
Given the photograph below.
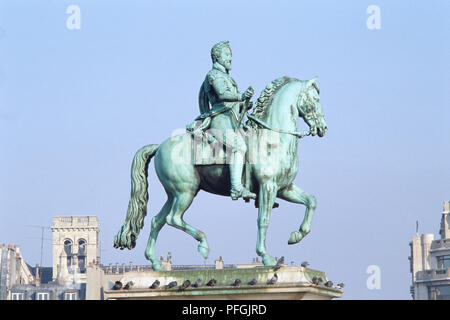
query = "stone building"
x=13 y=271
x=74 y=248
x=430 y=262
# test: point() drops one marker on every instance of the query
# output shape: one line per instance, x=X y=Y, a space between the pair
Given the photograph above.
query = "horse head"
x=309 y=108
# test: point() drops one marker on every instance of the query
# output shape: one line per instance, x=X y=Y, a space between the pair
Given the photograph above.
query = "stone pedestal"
x=294 y=283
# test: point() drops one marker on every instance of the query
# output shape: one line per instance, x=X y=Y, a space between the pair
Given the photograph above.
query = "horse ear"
x=312 y=82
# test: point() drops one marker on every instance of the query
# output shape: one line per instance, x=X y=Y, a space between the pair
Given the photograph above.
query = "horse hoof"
x=269 y=261
x=204 y=251
x=156 y=265
x=295 y=237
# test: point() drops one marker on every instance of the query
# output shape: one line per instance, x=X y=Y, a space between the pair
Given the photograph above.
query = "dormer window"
x=17 y=296
x=42 y=296
x=70 y=295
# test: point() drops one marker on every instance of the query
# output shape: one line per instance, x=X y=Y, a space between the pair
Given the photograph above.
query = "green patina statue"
x=220 y=91
x=262 y=165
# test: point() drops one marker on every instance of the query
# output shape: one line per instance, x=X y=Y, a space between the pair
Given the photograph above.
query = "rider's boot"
x=237 y=189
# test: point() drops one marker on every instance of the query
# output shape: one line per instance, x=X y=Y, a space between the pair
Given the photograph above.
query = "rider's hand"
x=248 y=93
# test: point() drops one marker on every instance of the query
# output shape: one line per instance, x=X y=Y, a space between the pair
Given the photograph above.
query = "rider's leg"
x=236 y=168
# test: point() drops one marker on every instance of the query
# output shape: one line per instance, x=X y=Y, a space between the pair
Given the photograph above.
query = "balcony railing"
x=440 y=244
x=66 y=219
x=127 y=268
x=429 y=275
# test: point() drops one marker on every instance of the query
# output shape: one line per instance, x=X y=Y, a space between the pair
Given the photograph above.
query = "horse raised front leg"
x=266 y=199
x=294 y=194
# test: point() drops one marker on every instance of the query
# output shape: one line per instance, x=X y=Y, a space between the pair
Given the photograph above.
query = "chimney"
x=38 y=277
x=444 y=230
x=446 y=207
x=219 y=263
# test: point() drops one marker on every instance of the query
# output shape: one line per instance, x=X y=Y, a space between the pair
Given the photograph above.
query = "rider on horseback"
x=221 y=91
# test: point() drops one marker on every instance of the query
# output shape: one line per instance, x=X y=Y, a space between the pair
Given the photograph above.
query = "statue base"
x=294 y=283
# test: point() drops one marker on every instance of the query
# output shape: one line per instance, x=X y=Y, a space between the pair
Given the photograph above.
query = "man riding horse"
x=280 y=104
x=221 y=92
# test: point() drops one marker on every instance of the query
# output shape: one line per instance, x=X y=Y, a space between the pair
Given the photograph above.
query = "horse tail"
x=137 y=207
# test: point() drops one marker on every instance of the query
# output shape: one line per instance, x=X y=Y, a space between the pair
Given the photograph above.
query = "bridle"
x=309 y=115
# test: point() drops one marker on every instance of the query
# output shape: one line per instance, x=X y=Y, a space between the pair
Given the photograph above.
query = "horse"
x=279 y=106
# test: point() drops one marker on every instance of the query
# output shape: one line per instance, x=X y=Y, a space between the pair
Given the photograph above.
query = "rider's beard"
x=226 y=65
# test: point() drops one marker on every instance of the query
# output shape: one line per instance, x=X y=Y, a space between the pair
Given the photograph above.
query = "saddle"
x=207 y=149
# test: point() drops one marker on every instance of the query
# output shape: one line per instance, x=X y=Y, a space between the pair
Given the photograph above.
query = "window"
x=81 y=247
x=68 y=247
x=82 y=255
x=42 y=296
x=70 y=296
x=17 y=296
x=443 y=292
x=443 y=262
x=68 y=251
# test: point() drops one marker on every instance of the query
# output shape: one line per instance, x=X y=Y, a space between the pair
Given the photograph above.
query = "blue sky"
x=75 y=105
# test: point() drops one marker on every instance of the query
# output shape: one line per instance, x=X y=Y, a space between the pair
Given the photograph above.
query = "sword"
x=244 y=111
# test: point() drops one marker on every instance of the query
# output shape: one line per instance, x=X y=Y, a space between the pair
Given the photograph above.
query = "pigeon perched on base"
x=237 y=283
x=185 y=284
x=273 y=280
x=171 y=285
x=198 y=283
x=212 y=283
x=155 y=285
x=252 y=282
x=280 y=262
x=117 y=285
x=128 y=285
x=329 y=284
x=305 y=264
x=340 y=285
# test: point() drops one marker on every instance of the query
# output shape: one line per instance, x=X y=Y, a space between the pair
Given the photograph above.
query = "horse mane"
x=265 y=99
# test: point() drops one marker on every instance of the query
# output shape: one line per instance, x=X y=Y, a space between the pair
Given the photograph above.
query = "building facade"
x=430 y=262
x=74 y=248
x=13 y=270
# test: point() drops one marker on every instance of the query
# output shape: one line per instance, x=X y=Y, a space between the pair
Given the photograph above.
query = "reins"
x=298 y=134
